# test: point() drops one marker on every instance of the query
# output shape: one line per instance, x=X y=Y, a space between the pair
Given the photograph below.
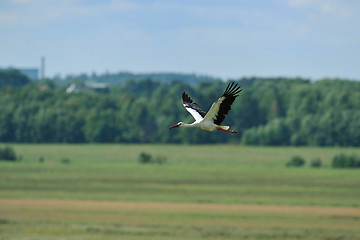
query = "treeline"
x=277 y=111
x=122 y=77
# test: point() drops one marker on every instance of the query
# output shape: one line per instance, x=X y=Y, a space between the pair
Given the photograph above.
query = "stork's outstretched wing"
x=193 y=108
x=222 y=106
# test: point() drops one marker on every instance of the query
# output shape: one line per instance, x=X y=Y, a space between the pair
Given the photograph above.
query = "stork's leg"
x=226 y=130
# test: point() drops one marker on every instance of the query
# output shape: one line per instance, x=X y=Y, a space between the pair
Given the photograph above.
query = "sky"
x=221 y=38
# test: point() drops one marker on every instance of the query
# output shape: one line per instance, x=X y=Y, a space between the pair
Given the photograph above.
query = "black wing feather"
x=231 y=92
x=188 y=102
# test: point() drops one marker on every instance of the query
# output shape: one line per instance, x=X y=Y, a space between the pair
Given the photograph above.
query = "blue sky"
x=221 y=38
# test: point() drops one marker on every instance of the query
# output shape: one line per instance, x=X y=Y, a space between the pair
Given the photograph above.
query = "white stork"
x=211 y=120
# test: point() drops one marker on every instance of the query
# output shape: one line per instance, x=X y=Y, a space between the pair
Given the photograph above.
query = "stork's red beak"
x=176 y=125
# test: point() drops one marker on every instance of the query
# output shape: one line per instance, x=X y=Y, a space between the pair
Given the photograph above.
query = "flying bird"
x=211 y=120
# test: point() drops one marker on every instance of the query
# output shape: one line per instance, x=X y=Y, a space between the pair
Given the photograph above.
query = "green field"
x=200 y=192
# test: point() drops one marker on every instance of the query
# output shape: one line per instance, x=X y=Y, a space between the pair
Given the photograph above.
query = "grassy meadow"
x=101 y=191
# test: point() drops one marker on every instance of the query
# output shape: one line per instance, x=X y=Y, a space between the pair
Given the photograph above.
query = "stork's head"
x=176 y=125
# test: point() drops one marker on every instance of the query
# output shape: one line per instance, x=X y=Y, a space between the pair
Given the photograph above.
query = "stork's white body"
x=203 y=125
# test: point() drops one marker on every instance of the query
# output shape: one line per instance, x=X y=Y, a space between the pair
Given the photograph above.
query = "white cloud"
x=8 y=19
x=299 y=3
x=20 y=1
x=336 y=8
x=33 y=12
x=122 y=6
x=30 y=12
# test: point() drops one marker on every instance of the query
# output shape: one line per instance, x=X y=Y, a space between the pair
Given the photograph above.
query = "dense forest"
x=277 y=111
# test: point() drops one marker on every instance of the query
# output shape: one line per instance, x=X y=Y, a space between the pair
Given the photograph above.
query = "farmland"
x=101 y=191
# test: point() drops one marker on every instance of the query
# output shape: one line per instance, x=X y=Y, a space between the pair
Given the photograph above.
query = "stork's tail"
x=224 y=127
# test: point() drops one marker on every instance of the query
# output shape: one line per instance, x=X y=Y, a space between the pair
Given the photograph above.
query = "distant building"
x=72 y=88
x=32 y=73
x=98 y=87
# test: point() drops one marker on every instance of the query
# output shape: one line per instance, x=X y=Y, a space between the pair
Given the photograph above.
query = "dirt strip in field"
x=89 y=219
x=177 y=207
